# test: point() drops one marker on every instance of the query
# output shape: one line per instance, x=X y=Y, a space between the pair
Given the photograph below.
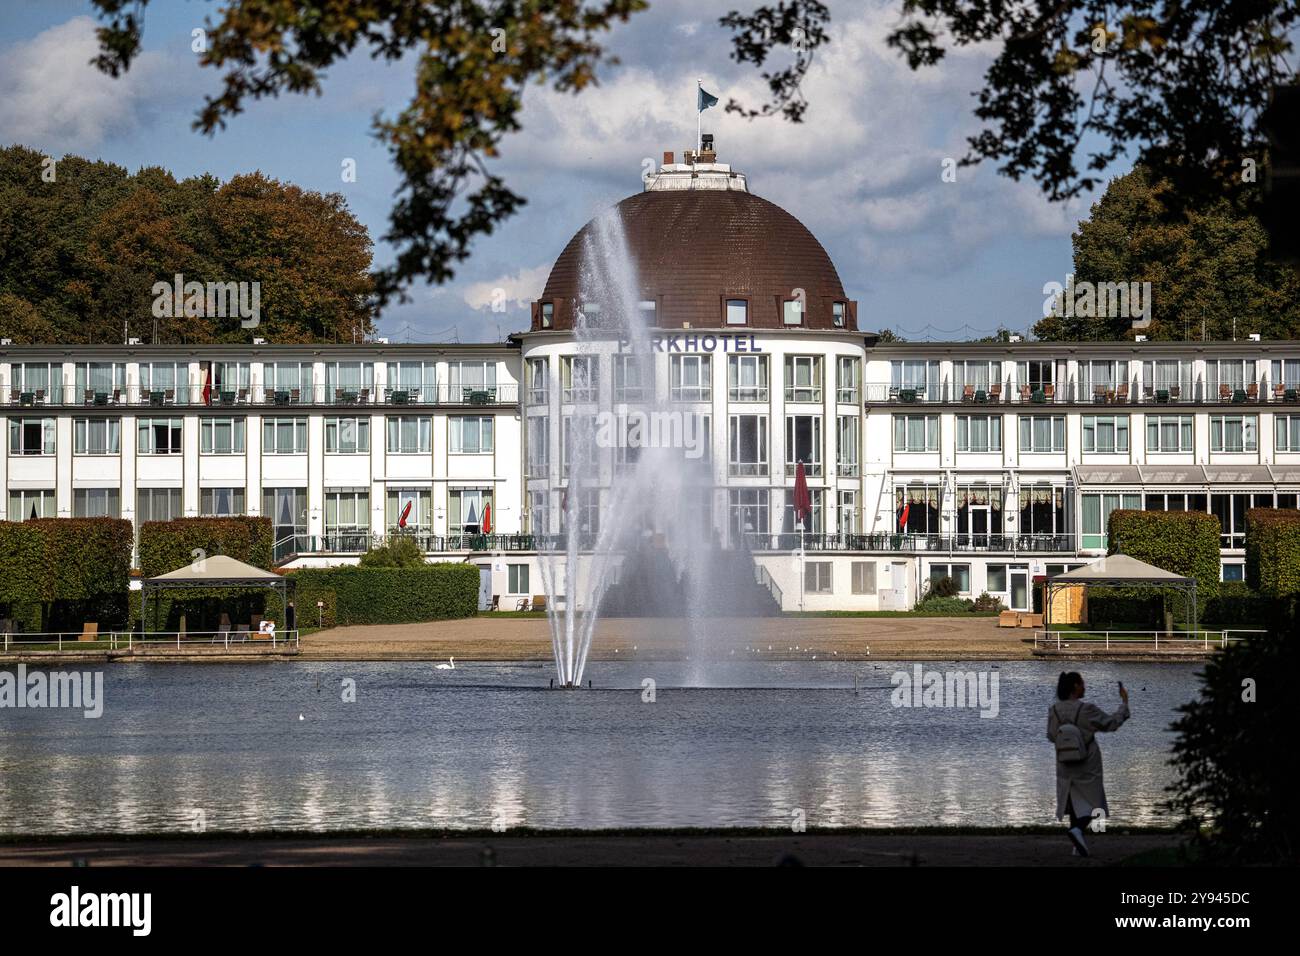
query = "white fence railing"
x=127 y=640
x=1202 y=640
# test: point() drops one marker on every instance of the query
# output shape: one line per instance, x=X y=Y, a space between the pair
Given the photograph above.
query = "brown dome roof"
x=697 y=248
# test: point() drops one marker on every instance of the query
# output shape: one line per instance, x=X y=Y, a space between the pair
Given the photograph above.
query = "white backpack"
x=1070 y=745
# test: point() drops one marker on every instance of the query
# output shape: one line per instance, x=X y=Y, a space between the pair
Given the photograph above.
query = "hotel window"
x=1099 y=380
x=465 y=377
x=980 y=376
x=26 y=504
x=737 y=312
x=99 y=379
x=690 y=378
x=408 y=509
x=748 y=515
x=864 y=577
x=1042 y=434
x=471 y=434
x=412 y=382
x=537 y=381
x=1035 y=376
x=165 y=381
x=846 y=446
x=1233 y=572
x=817 y=577
x=959 y=573
x=1225 y=377
x=1234 y=433
x=631 y=375
x=38 y=382
x=1105 y=434
x=1169 y=433
x=548 y=314
x=747 y=378
x=838 y=312
x=846 y=380
x=848 y=515
x=792 y=312
x=803 y=378
x=1286 y=433
x=158 y=436
x=916 y=433
x=915 y=375
x=1096 y=515
x=1042 y=510
x=347 y=436
x=539 y=446
x=465 y=509
x=157 y=504
x=1231 y=510
x=287 y=509
x=812 y=524
x=291 y=379
x=96 y=436
x=346 y=381
x=578 y=378
x=916 y=509
x=410 y=434
x=31 y=436
x=803 y=443
x=979 y=511
x=221 y=502
x=227 y=377
x=517 y=579
x=995 y=579
x=539 y=513
x=1286 y=372
x=284 y=436
x=96 y=503
x=1175 y=502
x=979 y=433
x=586 y=507
x=221 y=436
x=747 y=445
x=347 y=519
x=1167 y=379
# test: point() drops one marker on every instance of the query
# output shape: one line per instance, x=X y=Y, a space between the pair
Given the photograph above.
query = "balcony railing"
x=1134 y=392
x=911 y=543
x=261 y=395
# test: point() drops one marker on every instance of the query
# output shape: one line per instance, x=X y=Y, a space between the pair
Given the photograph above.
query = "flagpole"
x=699 y=113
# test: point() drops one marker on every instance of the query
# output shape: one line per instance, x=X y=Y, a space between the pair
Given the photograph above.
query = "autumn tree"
x=81 y=253
x=1210 y=277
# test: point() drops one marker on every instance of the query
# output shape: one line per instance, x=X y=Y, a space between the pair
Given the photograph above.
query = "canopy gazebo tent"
x=218 y=571
x=1119 y=571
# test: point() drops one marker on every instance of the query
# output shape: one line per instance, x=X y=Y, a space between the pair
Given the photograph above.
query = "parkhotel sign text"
x=686 y=342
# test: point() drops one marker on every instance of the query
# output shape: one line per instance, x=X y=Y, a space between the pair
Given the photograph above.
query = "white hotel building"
x=992 y=463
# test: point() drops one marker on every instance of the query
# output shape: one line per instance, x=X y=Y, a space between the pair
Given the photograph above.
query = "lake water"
x=222 y=746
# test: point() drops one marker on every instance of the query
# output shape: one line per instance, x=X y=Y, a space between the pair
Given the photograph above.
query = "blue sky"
x=927 y=258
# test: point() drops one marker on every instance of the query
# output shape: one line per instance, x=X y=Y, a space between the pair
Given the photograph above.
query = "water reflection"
x=486 y=745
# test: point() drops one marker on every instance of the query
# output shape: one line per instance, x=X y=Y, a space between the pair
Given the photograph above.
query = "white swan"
x=447 y=667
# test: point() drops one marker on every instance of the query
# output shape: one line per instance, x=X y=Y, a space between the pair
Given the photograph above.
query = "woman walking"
x=1072 y=725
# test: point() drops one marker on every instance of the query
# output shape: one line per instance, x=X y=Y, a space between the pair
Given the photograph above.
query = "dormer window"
x=792 y=312
x=548 y=314
x=737 y=312
x=837 y=314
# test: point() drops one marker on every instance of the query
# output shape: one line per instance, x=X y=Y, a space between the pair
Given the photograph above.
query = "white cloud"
x=55 y=100
x=520 y=289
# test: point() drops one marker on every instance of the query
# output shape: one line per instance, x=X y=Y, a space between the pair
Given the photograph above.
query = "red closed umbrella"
x=802 y=499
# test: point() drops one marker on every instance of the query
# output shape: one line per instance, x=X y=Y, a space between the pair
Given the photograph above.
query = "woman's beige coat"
x=1081 y=782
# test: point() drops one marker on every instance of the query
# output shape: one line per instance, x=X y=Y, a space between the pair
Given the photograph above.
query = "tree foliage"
x=473 y=61
x=82 y=253
x=397 y=551
x=1208 y=268
x=1273 y=552
x=1178 y=87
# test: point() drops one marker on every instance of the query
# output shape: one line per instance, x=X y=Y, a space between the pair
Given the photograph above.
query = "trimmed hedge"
x=1184 y=542
x=168 y=545
x=57 y=573
x=1237 y=605
x=1273 y=552
x=356 y=595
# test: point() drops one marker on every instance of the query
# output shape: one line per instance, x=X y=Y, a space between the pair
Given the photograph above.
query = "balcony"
x=1124 y=394
x=275 y=396
x=914 y=543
